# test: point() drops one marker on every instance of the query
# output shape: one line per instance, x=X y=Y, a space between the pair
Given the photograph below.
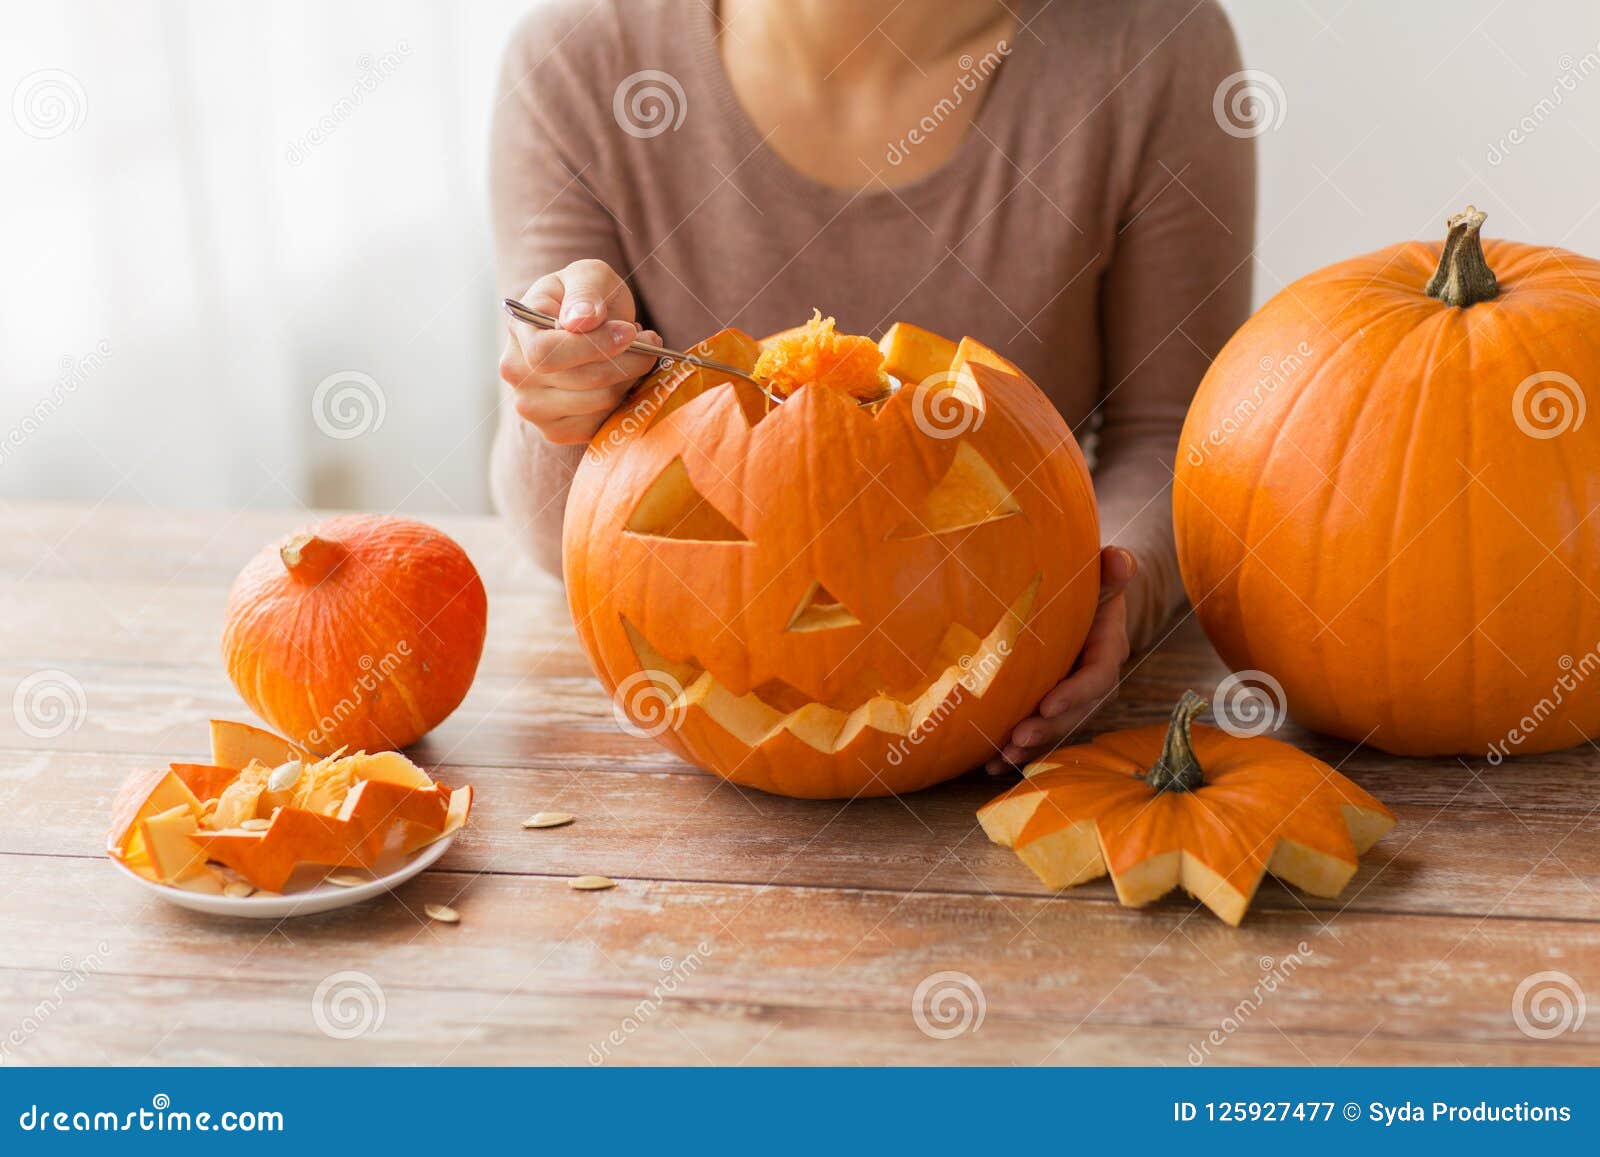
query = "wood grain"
x=691 y=826
x=811 y=924
x=839 y=949
x=163 y=1020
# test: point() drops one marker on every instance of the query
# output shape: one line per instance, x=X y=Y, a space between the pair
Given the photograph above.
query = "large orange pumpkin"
x=1386 y=493
x=825 y=598
x=363 y=632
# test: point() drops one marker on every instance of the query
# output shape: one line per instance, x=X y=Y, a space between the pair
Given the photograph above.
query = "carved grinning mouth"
x=969 y=662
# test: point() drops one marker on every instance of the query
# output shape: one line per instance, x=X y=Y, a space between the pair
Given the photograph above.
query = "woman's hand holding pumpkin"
x=1094 y=678
x=566 y=381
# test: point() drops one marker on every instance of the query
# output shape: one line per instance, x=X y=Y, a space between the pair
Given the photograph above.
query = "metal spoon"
x=544 y=321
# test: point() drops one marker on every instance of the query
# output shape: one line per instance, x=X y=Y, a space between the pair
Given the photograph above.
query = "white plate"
x=321 y=898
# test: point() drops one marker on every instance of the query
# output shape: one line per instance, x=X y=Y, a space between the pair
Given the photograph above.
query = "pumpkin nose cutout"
x=820 y=611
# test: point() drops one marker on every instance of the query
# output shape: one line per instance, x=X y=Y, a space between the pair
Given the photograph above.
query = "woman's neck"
x=843 y=40
x=835 y=86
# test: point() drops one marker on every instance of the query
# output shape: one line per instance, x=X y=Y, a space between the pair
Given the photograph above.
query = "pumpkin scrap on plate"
x=263 y=808
x=1196 y=807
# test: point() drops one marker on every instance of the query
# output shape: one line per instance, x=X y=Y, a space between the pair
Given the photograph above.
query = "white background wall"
x=1399 y=112
x=182 y=262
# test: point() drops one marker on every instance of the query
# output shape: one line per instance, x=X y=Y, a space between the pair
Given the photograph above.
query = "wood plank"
x=161 y=713
x=138 y=640
x=1462 y=861
x=557 y=716
x=79 y=626
x=213 y=1021
x=157 y=551
x=1442 y=978
x=812 y=924
x=49 y=542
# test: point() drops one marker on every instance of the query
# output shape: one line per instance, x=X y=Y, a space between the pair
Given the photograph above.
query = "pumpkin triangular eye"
x=673 y=508
x=970 y=494
x=820 y=611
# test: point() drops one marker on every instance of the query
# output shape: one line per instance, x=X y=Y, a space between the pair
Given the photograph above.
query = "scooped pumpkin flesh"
x=1194 y=807
x=373 y=818
x=817 y=354
x=204 y=826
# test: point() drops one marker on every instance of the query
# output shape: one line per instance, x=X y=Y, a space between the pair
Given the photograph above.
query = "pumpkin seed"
x=257 y=825
x=442 y=913
x=591 y=883
x=346 y=880
x=238 y=889
x=283 y=776
x=548 y=820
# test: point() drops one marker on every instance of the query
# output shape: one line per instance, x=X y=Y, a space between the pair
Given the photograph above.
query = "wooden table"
x=746 y=929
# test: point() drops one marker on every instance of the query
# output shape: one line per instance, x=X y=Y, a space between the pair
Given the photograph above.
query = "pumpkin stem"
x=1463 y=277
x=1177 y=769
x=309 y=558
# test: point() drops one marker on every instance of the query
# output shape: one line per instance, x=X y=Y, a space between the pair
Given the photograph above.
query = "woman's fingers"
x=1094 y=678
x=566 y=380
x=583 y=296
x=1117 y=569
x=1068 y=705
x=549 y=404
x=574 y=431
x=544 y=295
x=550 y=351
x=591 y=293
x=623 y=368
x=572 y=361
x=544 y=407
x=1036 y=735
x=1099 y=664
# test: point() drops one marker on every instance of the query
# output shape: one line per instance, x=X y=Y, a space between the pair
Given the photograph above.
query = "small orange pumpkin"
x=833 y=595
x=1163 y=807
x=363 y=632
x=1386 y=498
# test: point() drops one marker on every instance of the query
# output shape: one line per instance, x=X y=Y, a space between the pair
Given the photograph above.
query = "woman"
x=1048 y=177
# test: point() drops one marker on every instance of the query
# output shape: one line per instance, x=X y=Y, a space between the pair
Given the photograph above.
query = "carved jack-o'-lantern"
x=822 y=594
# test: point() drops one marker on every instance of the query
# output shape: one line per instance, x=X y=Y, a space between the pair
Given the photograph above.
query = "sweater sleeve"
x=545 y=215
x=1177 y=287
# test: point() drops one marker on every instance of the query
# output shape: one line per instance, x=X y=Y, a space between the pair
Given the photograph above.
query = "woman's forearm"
x=529 y=479
x=1178 y=285
x=546 y=215
x=1135 y=499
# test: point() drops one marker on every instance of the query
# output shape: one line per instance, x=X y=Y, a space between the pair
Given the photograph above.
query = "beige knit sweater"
x=1095 y=225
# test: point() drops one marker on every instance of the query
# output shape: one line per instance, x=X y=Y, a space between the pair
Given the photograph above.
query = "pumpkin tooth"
x=972 y=665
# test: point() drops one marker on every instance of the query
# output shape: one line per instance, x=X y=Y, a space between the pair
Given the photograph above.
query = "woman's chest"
x=1018 y=268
